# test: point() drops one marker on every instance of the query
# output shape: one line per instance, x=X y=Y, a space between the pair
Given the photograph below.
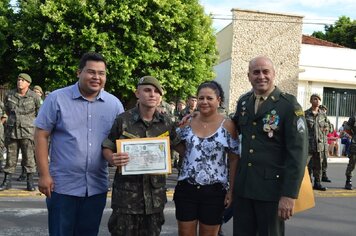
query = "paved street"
x=24 y=213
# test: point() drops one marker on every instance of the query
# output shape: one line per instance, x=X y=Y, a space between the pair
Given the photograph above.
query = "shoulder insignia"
x=300 y=125
x=165 y=134
x=299 y=112
x=127 y=134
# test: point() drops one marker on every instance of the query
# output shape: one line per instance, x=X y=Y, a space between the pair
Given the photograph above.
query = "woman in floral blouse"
x=203 y=188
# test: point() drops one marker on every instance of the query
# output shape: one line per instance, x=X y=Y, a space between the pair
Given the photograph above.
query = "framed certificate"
x=146 y=155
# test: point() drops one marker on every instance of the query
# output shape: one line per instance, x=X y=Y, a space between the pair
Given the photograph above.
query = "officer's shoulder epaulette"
x=289 y=97
x=245 y=96
x=298 y=110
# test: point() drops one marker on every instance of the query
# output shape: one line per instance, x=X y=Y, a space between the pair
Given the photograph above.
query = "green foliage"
x=343 y=32
x=172 y=40
x=6 y=50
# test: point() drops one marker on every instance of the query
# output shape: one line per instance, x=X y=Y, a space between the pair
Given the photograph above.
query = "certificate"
x=146 y=155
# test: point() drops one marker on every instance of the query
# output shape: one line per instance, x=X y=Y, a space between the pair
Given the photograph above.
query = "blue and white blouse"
x=205 y=160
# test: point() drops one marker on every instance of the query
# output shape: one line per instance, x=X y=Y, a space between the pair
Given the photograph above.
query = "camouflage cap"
x=315 y=95
x=25 y=77
x=150 y=80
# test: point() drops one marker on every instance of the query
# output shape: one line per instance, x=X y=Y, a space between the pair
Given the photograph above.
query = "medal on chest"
x=270 y=123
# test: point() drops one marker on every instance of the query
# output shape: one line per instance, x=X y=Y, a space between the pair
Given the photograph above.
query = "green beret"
x=37 y=87
x=150 y=80
x=182 y=101
x=25 y=77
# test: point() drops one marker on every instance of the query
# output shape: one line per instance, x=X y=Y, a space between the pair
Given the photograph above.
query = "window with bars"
x=340 y=102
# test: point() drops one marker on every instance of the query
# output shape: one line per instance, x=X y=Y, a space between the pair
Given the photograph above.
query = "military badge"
x=300 y=125
x=270 y=123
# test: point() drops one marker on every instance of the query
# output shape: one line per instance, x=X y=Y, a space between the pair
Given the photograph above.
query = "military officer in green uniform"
x=138 y=200
x=351 y=127
x=317 y=123
x=21 y=106
x=273 y=154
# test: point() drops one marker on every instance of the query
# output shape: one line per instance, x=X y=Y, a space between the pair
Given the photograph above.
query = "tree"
x=6 y=48
x=343 y=32
x=172 y=40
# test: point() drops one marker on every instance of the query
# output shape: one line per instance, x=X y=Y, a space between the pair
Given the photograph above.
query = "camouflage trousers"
x=351 y=166
x=12 y=152
x=315 y=161
x=135 y=224
x=324 y=165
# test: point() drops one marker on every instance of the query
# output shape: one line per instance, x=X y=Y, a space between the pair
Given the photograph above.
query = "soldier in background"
x=324 y=154
x=317 y=123
x=3 y=118
x=191 y=107
x=38 y=90
x=21 y=106
x=180 y=107
x=350 y=126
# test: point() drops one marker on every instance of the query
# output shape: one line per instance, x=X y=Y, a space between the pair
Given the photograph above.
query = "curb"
x=38 y=194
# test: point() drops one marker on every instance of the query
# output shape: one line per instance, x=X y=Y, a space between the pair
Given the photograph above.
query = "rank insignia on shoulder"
x=165 y=134
x=127 y=134
x=300 y=125
x=299 y=113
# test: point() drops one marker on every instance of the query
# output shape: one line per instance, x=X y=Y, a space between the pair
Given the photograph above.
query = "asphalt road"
x=333 y=215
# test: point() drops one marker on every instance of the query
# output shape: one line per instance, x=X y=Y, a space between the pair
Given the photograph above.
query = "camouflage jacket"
x=351 y=127
x=21 y=112
x=139 y=194
x=318 y=127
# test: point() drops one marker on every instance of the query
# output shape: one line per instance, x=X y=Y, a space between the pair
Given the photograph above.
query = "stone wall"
x=275 y=35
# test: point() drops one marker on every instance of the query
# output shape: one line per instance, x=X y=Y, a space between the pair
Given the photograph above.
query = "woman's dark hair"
x=214 y=86
x=90 y=56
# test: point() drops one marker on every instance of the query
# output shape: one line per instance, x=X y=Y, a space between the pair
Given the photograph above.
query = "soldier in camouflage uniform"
x=317 y=123
x=3 y=117
x=351 y=127
x=191 y=107
x=324 y=154
x=138 y=200
x=21 y=106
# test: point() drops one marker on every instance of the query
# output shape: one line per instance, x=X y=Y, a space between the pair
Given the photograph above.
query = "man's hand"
x=46 y=185
x=285 y=207
x=119 y=159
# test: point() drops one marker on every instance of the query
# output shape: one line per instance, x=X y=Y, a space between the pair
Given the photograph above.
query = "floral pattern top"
x=205 y=160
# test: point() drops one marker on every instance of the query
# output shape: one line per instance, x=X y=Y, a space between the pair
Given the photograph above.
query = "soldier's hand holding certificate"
x=146 y=155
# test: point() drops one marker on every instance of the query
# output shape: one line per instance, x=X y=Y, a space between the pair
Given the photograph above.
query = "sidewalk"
x=19 y=188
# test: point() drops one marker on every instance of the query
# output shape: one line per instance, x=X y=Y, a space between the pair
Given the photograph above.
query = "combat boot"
x=348 y=184
x=318 y=186
x=6 y=184
x=325 y=178
x=22 y=177
x=30 y=185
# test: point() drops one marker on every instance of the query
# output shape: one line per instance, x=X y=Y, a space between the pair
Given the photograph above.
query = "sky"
x=316 y=13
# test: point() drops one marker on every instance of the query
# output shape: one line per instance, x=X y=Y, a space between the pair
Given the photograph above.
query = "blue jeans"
x=75 y=216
